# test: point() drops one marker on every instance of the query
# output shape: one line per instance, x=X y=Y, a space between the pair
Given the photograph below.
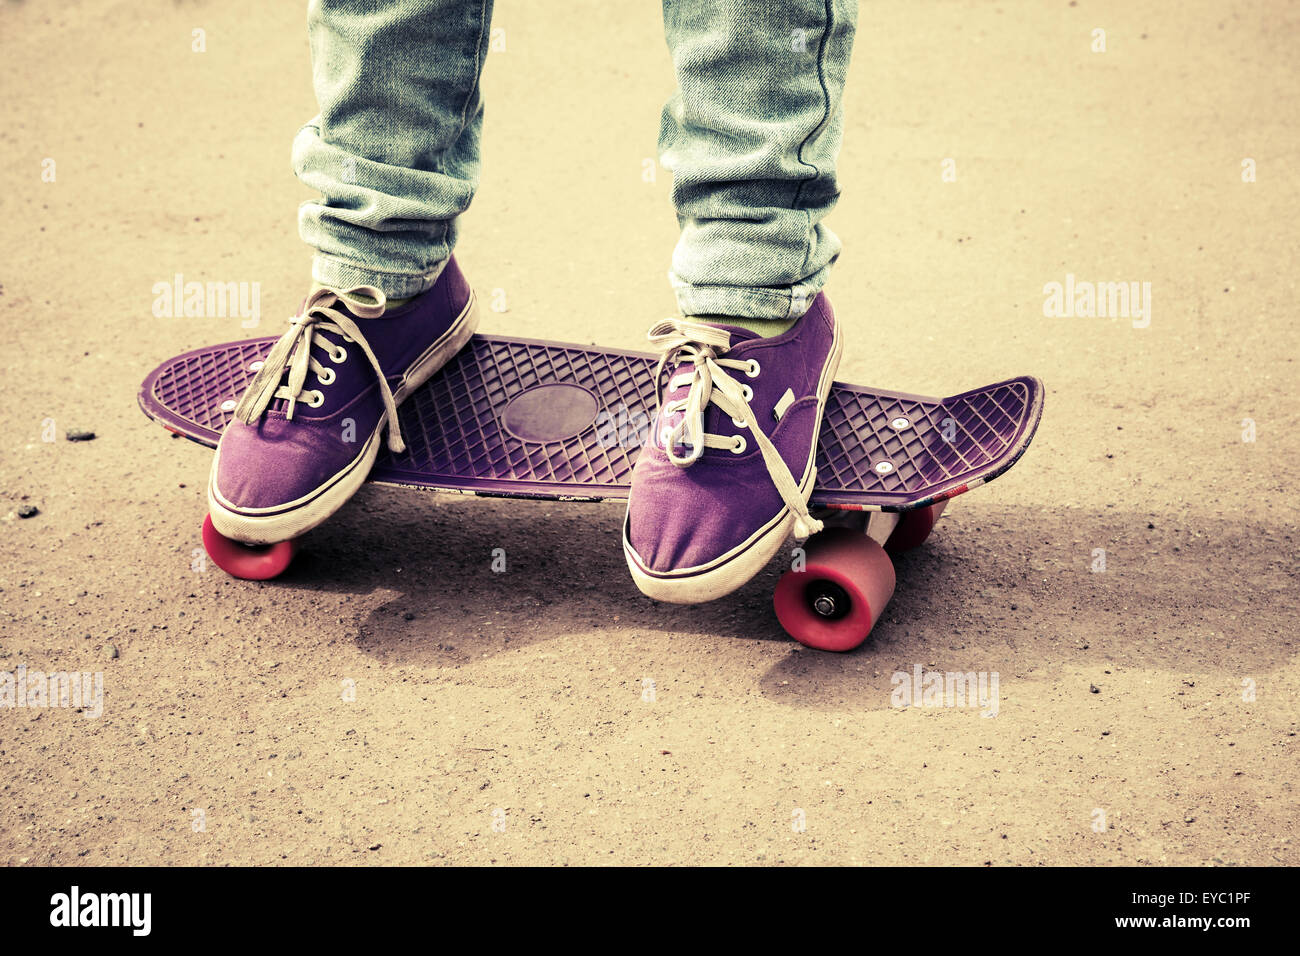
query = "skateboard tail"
x=927 y=451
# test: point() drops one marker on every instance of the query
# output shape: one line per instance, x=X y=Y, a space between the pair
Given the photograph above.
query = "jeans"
x=751 y=137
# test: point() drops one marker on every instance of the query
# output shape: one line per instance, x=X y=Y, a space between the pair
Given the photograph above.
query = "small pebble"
x=1094 y=688
x=110 y=651
x=79 y=434
x=28 y=511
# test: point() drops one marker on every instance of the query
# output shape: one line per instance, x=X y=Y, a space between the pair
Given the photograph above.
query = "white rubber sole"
x=739 y=565
x=294 y=518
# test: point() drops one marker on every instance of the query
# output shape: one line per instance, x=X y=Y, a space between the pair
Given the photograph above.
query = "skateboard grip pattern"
x=459 y=416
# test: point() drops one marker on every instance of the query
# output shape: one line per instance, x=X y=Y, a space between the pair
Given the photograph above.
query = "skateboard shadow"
x=448 y=577
x=444 y=580
x=1067 y=596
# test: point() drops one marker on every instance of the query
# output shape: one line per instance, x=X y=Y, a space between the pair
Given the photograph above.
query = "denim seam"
x=826 y=114
x=478 y=67
x=469 y=98
x=826 y=98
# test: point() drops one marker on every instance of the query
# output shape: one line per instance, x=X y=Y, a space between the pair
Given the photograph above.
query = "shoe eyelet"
x=740 y=445
x=754 y=368
x=663 y=436
x=326 y=376
x=747 y=392
x=339 y=357
x=316 y=401
x=740 y=423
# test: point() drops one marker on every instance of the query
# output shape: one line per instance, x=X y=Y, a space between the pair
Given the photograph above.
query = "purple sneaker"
x=306 y=432
x=729 y=468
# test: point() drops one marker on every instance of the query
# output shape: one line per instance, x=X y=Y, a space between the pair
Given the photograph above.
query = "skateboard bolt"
x=884 y=467
x=824 y=605
x=899 y=423
x=228 y=405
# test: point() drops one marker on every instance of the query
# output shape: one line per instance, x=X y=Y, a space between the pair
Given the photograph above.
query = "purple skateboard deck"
x=530 y=419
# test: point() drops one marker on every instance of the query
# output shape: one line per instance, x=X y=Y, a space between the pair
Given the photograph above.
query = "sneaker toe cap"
x=276 y=462
x=685 y=518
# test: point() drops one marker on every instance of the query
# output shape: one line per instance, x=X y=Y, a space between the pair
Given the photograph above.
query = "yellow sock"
x=764 y=327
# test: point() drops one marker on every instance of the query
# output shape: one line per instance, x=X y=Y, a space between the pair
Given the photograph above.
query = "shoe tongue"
x=737 y=333
x=738 y=336
x=344 y=301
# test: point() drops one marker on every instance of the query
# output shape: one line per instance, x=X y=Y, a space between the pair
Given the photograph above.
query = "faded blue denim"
x=751 y=137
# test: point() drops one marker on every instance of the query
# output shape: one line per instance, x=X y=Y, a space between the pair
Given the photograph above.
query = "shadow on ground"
x=1020 y=592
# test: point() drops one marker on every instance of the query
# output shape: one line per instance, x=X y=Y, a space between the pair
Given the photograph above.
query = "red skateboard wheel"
x=914 y=527
x=835 y=600
x=252 y=562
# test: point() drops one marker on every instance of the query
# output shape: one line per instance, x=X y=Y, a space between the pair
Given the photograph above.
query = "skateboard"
x=523 y=418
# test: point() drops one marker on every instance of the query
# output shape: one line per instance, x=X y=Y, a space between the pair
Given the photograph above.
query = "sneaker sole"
x=298 y=517
x=736 y=568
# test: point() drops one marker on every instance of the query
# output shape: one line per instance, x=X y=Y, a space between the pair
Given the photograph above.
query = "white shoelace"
x=710 y=382
x=293 y=351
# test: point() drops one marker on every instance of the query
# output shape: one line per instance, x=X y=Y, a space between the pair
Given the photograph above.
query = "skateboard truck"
x=833 y=598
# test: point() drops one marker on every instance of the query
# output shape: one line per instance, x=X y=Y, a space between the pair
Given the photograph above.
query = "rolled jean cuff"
x=782 y=302
x=343 y=275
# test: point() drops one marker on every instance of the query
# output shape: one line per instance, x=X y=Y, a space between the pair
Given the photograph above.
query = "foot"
x=729 y=468
x=307 y=431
